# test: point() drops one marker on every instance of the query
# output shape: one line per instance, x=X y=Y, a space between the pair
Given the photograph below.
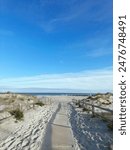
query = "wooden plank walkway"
x=58 y=135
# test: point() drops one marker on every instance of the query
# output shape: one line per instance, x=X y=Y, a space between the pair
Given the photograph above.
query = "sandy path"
x=58 y=135
x=29 y=134
x=91 y=133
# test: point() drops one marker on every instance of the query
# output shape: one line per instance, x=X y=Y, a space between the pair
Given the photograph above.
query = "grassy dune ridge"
x=17 y=104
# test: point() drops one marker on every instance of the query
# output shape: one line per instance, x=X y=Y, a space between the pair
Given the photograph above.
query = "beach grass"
x=17 y=113
x=39 y=103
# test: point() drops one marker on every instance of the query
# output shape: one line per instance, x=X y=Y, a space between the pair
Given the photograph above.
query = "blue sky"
x=43 y=41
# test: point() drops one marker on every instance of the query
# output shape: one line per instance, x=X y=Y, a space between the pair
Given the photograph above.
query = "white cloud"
x=92 y=80
x=100 y=52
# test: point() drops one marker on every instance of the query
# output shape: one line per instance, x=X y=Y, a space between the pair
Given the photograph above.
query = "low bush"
x=85 y=109
x=76 y=103
x=80 y=106
x=17 y=113
x=39 y=103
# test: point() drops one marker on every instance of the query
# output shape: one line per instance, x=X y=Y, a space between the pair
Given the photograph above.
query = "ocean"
x=59 y=94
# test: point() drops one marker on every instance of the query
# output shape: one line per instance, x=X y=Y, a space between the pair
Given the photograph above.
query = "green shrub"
x=21 y=99
x=76 y=103
x=39 y=103
x=85 y=109
x=17 y=113
x=80 y=106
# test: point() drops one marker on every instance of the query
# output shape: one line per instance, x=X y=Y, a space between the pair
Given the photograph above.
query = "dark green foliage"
x=76 y=103
x=79 y=105
x=17 y=113
x=39 y=103
x=85 y=109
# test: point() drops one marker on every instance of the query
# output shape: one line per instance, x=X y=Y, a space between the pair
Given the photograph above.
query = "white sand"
x=88 y=133
x=28 y=133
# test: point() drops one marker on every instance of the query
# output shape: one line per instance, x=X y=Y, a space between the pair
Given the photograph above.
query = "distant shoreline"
x=54 y=94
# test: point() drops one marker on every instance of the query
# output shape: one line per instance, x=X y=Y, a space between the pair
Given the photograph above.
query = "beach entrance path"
x=58 y=135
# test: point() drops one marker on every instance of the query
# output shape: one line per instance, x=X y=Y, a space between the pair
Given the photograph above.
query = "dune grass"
x=39 y=103
x=17 y=113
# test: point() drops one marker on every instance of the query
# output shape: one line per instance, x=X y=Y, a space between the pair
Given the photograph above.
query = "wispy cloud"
x=99 y=52
x=44 y=14
x=92 y=80
x=91 y=47
x=83 y=11
x=71 y=11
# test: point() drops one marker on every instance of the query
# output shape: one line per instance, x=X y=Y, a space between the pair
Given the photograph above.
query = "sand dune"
x=30 y=131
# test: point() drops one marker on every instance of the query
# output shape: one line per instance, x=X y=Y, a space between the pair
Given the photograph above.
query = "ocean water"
x=58 y=94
